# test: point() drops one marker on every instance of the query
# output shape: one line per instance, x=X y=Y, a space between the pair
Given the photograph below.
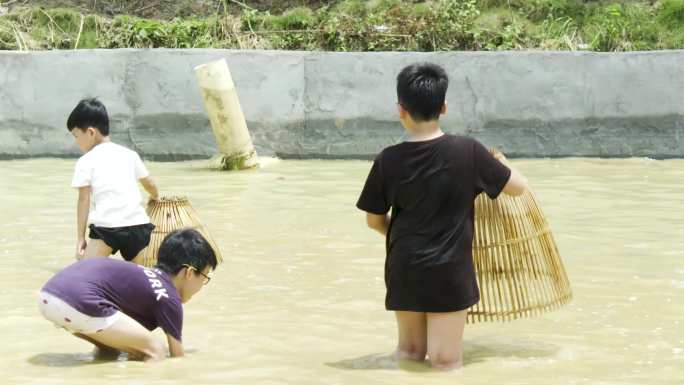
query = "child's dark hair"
x=421 y=90
x=89 y=113
x=185 y=247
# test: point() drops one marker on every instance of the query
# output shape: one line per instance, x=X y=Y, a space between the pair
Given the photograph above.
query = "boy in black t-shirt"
x=430 y=182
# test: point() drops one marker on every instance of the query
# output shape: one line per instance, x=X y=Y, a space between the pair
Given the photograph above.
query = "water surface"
x=299 y=299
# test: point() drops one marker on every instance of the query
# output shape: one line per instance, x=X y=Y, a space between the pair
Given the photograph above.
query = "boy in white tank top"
x=106 y=177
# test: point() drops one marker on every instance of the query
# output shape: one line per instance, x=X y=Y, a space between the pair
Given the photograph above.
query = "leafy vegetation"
x=359 y=25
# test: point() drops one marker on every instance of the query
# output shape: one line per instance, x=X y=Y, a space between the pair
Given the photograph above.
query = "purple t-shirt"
x=99 y=287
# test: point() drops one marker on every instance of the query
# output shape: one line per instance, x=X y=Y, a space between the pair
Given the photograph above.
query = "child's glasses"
x=206 y=277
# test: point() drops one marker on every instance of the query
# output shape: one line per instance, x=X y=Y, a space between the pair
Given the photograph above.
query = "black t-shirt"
x=431 y=188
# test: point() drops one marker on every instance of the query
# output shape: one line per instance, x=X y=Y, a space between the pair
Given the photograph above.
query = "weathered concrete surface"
x=342 y=105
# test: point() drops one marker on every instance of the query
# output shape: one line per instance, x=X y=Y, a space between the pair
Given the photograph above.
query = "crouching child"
x=116 y=304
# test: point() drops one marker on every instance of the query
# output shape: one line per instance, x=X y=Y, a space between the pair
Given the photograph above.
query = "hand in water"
x=80 y=249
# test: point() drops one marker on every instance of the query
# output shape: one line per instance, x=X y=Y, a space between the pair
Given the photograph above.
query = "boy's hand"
x=150 y=204
x=150 y=187
x=80 y=249
x=175 y=347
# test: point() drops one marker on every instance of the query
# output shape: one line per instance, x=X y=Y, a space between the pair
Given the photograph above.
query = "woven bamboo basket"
x=169 y=214
x=519 y=270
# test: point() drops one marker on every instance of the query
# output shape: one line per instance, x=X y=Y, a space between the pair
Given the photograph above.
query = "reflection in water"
x=64 y=359
x=299 y=299
x=370 y=361
x=78 y=359
x=478 y=351
x=474 y=352
x=380 y=361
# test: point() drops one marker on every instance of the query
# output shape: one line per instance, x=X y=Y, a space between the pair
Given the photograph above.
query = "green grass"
x=375 y=25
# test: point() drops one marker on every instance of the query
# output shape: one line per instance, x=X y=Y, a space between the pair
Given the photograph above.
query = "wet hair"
x=89 y=113
x=185 y=247
x=421 y=90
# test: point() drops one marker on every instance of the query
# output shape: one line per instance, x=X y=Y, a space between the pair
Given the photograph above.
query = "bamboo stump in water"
x=519 y=270
x=226 y=117
x=169 y=214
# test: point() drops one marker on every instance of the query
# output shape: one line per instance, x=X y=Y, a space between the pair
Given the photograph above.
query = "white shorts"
x=65 y=316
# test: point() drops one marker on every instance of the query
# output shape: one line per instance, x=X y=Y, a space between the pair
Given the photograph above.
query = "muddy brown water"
x=299 y=299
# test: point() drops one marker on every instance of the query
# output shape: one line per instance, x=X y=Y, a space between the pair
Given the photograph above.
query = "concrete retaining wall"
x=342 y=105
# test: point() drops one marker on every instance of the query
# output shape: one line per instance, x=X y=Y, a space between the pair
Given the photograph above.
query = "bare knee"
x=445 y=360
x=411 y=351
x=155 y=351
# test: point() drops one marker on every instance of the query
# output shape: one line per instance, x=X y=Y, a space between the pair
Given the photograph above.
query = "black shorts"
x=129 y=240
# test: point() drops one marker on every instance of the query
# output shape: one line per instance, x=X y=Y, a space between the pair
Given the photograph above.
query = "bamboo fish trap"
x=169 y=214
x=519 y=270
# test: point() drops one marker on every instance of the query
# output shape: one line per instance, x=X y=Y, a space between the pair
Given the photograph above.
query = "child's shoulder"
x=461 y=139
x=116 y=150
x=105 y=152
x=388 y=152
x=450 y=139
x=121 y=148
x=390 y=149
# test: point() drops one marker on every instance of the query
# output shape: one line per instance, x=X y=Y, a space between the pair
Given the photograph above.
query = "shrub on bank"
x=376 y=25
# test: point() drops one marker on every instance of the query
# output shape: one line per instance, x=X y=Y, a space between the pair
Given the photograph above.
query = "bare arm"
x=82 y=209
x=150 y=187
x=175 y=347
x=379 y=223
x=517 y=183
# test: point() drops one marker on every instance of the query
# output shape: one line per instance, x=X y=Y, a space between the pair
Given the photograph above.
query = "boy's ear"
x=444 y=108
x=188 y=272
x=92 y=131
x=402 y=111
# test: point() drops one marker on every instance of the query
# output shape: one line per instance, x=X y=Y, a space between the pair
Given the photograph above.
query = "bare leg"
x=97 y=248
x=445 y=337
x=127 y=335
x=139 y=259
x=102 y=352
x=412 y=335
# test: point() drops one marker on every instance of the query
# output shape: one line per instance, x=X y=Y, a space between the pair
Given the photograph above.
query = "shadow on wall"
x=658 y=137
